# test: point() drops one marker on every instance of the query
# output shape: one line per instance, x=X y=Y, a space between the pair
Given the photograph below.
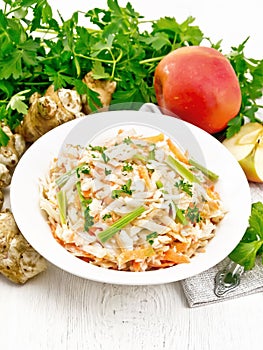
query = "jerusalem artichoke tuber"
x=18 y=260
x=1 y=199
x=49 y=111
x=60 y=106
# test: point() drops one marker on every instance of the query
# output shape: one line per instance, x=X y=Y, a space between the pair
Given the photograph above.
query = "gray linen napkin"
x=199 y=289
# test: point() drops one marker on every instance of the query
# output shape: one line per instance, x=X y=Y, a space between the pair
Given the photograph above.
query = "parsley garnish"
x=107 y=171
x=89 y=220
x=127 y=167
x=127 y=140
x=193 y=214
x=150 y=237
x=124 y=189
x=105 y=157
x=84 y=169
x=106 y=216
x=97 y=148
x=185 y=186
x=251 y=245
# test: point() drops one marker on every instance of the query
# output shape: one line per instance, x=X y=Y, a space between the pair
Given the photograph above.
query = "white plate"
x=232 y=186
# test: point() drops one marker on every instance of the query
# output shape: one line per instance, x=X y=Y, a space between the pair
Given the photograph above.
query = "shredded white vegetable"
x=105 y=183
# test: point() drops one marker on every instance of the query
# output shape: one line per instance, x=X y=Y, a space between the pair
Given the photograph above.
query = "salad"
x=133 y=203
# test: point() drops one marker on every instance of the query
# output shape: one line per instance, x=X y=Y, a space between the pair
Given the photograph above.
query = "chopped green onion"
x=181 y=169
x=159 y=184
x=119 y=224
x=180 y=216
x=140 y=157
x=208 y=173
x=151 y=155
x=62 y=206
x=63 y=179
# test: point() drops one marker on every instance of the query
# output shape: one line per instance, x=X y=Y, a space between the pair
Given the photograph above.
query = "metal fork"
x=228 y=279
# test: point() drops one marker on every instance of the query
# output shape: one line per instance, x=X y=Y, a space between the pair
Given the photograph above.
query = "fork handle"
x=228 y=278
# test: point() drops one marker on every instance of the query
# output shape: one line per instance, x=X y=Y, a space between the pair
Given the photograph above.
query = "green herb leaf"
x=251 y=244
x=184 y=186
x=89 y=220
x=16 y=102
x=150 y=237
x=124 y=189
x=193 y=214
x=127 y=167
x=106 y=216
x=84 y=169
x=107 y=171
x=3 y=138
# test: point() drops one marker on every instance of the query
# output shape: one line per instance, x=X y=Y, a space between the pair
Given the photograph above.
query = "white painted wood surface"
x=58 y=311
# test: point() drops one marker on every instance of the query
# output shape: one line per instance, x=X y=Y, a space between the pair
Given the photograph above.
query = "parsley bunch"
x=251 y=245
x=37 y=51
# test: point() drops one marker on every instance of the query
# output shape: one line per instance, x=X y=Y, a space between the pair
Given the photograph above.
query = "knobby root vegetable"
x=5 y=176
x=48 y=111
x=9 y=155
x=1 y=199
x=60 y=106
x=18 y=260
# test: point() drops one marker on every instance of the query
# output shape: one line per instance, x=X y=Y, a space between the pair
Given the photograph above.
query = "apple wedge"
x=247 y=148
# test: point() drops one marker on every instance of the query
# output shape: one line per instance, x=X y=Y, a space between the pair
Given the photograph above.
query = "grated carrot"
x=176 y=257
x=177 y=152
x=154 y=139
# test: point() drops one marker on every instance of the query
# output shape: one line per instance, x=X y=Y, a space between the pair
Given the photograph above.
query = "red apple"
x=199 y=85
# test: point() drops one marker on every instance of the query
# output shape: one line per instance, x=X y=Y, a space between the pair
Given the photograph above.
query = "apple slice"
x=247 y=148
x=253 y=164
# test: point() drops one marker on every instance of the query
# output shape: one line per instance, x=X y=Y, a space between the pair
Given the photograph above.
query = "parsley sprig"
x=185 y=186
x=251 y=245
x=125 y=189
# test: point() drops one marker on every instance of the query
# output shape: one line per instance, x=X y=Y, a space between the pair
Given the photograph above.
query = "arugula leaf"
x=251 y=245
